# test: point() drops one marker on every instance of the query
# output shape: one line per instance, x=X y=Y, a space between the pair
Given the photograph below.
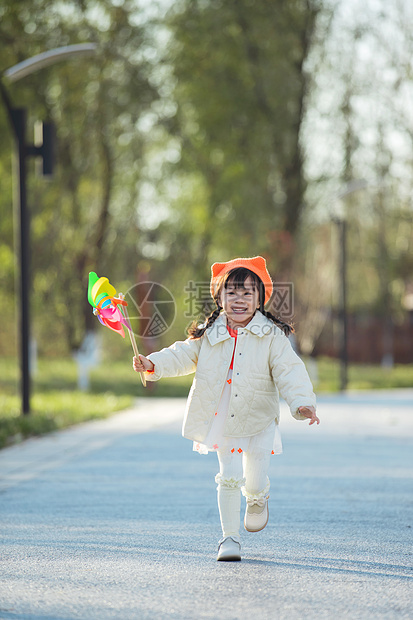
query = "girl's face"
x=240 y=303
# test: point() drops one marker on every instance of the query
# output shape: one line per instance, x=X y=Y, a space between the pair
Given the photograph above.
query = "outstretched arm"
x=291 y=378
x=177 y=360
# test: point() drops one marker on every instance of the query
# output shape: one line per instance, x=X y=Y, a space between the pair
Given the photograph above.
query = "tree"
x=359 y=127
x=240 y=88
x=83 y=219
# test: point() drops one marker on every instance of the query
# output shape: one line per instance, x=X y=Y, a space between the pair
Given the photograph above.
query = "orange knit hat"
x=257 y=265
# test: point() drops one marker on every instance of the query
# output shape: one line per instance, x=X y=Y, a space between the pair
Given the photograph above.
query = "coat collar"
x=258 y=326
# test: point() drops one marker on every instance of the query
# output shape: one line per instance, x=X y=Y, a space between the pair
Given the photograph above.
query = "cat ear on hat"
x=217 y=270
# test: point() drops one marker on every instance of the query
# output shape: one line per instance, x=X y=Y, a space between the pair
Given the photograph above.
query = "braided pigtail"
x=196 y=331
x=285 y=327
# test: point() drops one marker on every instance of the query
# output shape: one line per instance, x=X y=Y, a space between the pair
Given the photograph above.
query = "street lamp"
x=350 y=188
x=17 y=117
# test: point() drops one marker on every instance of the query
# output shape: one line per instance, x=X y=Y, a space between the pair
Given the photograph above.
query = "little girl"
x=242 y=360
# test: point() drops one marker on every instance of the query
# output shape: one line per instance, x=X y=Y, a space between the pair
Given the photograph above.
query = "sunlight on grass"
x=361 y=377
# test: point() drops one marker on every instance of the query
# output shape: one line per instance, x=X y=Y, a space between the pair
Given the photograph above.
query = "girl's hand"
x=309 y=412
x=142 y=364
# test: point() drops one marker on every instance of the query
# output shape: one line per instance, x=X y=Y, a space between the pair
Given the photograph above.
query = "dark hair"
x=237 y=278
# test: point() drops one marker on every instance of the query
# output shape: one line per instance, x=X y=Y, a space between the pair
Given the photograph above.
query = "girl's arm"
x=179 y=359
x=292 y=380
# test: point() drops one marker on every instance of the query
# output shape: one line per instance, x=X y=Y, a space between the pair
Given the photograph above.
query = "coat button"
x=232 y=415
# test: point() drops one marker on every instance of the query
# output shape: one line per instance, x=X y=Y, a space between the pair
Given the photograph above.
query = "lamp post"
x=342 y=228
x=350 y=188
x=17 y=117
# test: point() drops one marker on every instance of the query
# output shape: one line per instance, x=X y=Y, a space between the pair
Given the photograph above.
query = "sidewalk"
x=117 y=519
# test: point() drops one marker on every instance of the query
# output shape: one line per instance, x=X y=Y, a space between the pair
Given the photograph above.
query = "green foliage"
x=240 y=91
x=85 y=216
x=174 y=155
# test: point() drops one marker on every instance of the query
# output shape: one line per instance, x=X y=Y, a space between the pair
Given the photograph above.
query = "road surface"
x=117 y=519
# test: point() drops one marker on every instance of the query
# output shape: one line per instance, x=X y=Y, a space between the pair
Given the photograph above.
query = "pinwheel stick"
x=133 y=340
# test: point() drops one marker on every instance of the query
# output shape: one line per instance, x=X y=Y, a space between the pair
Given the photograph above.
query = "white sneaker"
x=229 y=550
x=256 y=514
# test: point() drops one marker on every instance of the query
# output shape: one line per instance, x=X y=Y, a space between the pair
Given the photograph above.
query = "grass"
x=57 y=402
x=363 y=377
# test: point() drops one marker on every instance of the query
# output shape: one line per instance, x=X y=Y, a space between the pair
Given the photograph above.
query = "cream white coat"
x=265 y=365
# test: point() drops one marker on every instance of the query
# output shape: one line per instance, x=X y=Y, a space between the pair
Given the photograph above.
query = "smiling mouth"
x=239 y=310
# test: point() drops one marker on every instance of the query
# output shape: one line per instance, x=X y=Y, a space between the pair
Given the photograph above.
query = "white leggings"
x=246 y=472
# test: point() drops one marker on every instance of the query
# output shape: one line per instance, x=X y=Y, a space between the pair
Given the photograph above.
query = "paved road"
x=118 y=520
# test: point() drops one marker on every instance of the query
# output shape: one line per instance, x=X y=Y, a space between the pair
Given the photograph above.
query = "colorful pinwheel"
x=102 y=297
